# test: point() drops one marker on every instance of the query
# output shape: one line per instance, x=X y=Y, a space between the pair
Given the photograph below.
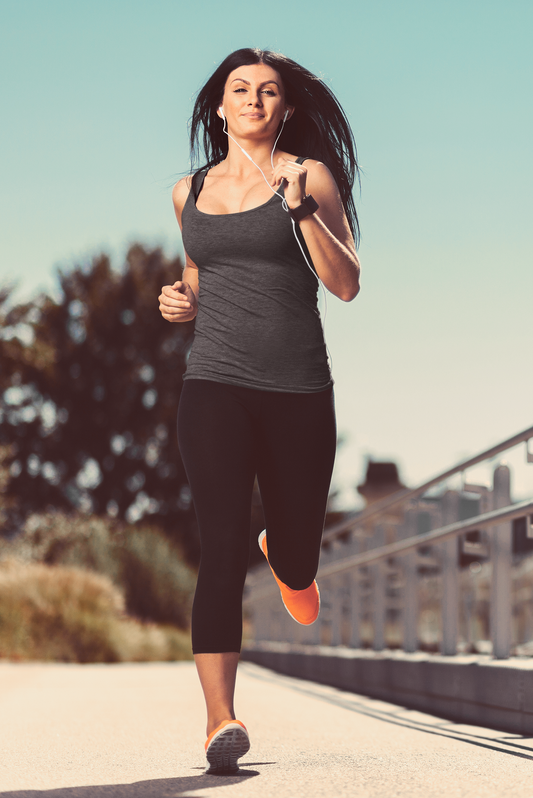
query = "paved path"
x=137 y=731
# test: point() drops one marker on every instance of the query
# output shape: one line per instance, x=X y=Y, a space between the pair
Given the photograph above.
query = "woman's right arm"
x=179 y=302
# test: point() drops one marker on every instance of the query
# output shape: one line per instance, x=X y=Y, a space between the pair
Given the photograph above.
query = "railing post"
x=378 y=582
x=501 y=554
x=312 y=635
x=409 y=565
x=379 y=605
x=298 y=633
x=260 y=616
x=273 y=631
x=410 y=602
x=284 y=626
x=337 y=607
x=450 y=577
x=355 y=610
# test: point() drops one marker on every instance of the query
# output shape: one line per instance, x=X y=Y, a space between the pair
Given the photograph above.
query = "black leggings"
x=227 y=434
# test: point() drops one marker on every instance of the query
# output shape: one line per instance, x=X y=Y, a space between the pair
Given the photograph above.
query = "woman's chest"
x=260 y=235
x=223 y=196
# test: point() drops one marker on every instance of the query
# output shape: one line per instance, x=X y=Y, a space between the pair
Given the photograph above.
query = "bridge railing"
x=418 y=570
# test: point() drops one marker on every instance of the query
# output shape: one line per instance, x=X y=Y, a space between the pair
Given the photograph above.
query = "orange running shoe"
x=224 y=746
x=302 y=605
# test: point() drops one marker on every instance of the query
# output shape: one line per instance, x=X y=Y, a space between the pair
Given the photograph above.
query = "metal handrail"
x=492 y=518
x=401 y=496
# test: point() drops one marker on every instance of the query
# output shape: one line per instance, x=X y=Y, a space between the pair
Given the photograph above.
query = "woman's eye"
x=269 y=91
x=237 y=90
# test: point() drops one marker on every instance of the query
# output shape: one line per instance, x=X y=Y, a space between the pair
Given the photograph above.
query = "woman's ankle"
x=214 y=721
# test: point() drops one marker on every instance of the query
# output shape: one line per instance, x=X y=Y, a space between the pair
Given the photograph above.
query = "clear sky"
x=433 y=360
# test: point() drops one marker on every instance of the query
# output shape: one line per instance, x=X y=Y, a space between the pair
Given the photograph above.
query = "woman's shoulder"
x=317 y=168
x=181 y=190
x=183 y=187
x=180 y=194
x=319 y=177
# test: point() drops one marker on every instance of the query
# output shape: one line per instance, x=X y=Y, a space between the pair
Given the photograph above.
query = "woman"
x=270 y=213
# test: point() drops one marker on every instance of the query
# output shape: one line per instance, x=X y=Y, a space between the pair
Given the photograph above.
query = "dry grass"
x=146 y=567
x=79 y=588
x=69 y=614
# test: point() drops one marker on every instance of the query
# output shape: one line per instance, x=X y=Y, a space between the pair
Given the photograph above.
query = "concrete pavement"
x=137 y=731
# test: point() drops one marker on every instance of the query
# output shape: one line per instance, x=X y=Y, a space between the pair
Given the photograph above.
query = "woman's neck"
x=236 y=162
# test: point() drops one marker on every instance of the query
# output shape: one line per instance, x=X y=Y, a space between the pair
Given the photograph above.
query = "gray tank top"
x=258 y=324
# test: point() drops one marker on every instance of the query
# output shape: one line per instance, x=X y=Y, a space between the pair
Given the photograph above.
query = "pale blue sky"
x=433 y=360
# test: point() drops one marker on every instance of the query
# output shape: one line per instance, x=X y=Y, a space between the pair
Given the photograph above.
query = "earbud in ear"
x=221 y=112
x=286 y=115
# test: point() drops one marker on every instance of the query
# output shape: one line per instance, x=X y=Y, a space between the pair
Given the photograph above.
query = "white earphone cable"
x=285 y=208
x=273 y=190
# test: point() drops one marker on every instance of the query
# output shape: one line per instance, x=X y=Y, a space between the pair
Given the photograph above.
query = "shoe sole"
x=260 y=539
x=225 y=749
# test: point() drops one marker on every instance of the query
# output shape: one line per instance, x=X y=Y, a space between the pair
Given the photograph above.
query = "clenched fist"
x=178 y=302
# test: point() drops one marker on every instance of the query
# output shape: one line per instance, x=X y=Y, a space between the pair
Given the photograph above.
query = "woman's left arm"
x=326 y=232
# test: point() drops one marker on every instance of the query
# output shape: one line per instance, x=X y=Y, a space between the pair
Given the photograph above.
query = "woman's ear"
x=289 y=112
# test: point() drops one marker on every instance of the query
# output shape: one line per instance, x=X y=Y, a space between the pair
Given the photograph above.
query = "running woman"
x=268 y=217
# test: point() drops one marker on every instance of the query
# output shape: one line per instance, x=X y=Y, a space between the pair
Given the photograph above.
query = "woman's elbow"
x=345 y=286
x=348 y=296
x=351 y=290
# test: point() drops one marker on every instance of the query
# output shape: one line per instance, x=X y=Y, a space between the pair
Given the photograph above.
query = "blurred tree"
x=89 y=388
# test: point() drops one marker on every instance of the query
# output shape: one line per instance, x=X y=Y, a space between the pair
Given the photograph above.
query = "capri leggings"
x=227 y=435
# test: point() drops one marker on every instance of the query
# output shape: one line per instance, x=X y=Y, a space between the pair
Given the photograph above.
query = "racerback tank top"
x=258 y=324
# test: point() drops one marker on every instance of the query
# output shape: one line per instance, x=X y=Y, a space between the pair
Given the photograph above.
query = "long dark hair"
x=318 y=128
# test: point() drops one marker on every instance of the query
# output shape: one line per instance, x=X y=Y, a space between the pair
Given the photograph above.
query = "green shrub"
x=144 y=564
x=73 y=615
x=157 y=584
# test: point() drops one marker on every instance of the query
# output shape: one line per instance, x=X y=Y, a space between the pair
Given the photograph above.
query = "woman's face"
x=254 y=101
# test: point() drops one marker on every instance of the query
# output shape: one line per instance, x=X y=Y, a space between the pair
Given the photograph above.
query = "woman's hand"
x=178 y=302
x=295 y=176
x=326 y=232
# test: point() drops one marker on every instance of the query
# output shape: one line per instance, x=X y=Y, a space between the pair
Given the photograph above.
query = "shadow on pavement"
x=396 y=714
x=162 y=788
